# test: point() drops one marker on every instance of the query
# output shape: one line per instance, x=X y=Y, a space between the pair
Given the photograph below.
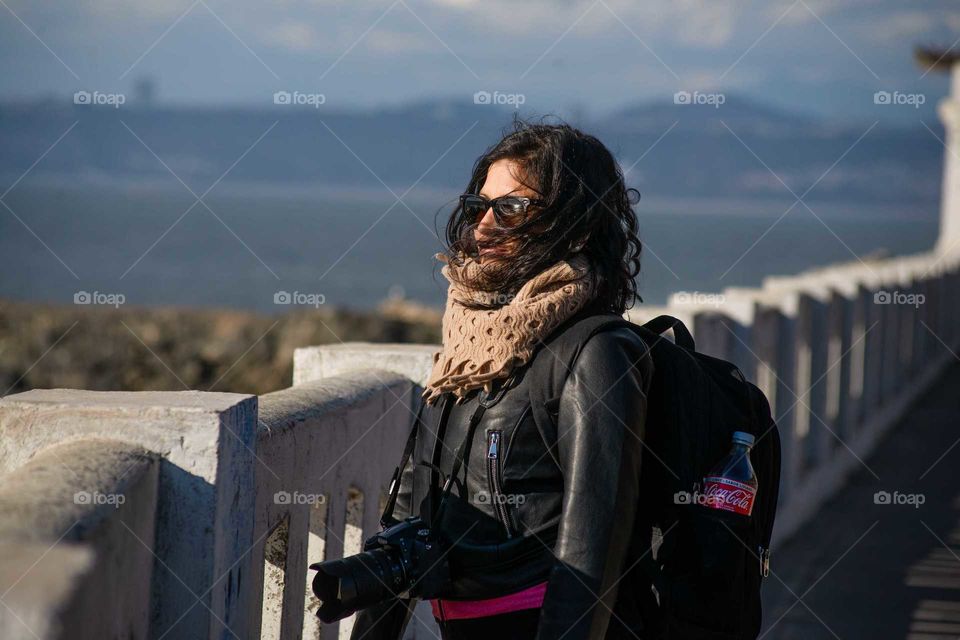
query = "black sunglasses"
x=507 y=210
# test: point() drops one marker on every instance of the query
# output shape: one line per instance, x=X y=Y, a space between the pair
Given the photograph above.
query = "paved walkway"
x=866 y=570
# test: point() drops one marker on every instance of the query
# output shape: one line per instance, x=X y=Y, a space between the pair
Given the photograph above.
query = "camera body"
x=405 y=559
x=419 y=552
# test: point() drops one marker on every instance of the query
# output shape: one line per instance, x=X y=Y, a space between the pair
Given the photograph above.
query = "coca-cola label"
x=729 y=495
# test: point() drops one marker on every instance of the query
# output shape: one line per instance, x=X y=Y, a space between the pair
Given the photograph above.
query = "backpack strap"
x=554 y=359
x=552 y=363
x=681 y=335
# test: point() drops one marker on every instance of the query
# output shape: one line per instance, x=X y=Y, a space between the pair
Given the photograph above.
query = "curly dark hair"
x=585 y=201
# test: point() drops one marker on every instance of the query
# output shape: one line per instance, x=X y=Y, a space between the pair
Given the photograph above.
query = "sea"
x=267 y=248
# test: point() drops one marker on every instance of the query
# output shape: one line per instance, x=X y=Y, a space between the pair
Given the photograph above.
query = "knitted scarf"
x=480 y=346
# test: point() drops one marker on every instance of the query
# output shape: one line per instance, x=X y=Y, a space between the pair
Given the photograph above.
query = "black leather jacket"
x=527 y=516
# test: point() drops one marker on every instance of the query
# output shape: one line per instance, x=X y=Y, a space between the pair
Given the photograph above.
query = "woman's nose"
x=488 y=220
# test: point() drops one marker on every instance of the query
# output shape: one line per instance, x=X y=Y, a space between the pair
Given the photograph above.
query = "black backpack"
x=705 y=566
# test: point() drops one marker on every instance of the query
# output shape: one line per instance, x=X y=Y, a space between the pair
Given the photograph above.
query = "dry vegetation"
x=168 y=348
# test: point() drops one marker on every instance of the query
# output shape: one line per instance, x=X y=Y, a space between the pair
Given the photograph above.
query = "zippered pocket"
x=495 y=479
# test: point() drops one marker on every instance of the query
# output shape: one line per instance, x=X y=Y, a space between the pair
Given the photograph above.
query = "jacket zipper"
x=493 y=477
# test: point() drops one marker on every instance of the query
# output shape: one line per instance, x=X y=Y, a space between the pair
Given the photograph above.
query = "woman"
x=542 y=537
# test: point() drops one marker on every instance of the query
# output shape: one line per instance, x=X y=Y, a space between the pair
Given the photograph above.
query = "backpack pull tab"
x=764 y=561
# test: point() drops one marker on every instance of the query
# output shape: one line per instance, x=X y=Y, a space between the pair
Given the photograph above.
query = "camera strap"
x=386 y=518
x=463 y=451
x=459 y=457
x=486 y=400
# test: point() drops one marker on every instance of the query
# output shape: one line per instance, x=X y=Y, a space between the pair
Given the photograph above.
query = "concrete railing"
x=77 y=527
x=195 y=515
x=326 y=451
x=840 y=352
x=146 y=499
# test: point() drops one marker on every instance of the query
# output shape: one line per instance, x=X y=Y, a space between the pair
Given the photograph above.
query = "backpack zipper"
x=764 y=561
x=494 y=480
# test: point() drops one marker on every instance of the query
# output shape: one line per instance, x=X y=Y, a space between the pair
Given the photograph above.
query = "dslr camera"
x=405 y=559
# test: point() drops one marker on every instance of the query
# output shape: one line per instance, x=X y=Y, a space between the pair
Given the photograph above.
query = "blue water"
x=123 y=239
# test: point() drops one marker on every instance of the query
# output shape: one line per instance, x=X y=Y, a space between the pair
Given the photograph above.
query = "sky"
x=593 y=56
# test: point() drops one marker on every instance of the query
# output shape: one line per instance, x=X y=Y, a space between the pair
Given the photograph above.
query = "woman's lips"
x=487 y=249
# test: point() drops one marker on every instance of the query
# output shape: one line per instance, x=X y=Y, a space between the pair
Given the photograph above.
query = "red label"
x=729 y=495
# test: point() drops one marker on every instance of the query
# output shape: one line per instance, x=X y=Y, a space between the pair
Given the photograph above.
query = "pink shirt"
x=529 y=598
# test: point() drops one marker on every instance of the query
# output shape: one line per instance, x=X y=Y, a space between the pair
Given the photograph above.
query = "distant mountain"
x=740 y=148
x=708 y=112
x=745 y=148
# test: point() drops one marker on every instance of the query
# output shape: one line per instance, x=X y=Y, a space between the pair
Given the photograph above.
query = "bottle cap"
x=743 y=437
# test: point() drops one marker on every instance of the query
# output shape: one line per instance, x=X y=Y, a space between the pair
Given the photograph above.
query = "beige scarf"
x=480 y=346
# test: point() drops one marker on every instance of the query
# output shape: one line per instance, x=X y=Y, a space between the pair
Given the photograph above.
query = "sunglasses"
x=507 y=210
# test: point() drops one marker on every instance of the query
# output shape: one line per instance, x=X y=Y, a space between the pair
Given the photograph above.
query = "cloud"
x=706 y=24
x=568 y=44
x=903 y=25
x=295 y=36
x=143 y=11
x=401 y=42
x=699 y=23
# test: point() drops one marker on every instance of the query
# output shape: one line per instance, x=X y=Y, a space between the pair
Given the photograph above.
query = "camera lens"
x=346 y=585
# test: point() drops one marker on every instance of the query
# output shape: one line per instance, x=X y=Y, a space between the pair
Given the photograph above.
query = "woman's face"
x=501 y=181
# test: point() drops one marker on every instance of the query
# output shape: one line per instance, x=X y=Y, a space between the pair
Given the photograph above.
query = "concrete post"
x=76 y=543
x=890 y=312
x=873 y=360
x=949 y=111
x=837 y=377
x=770 y=345
x=811 y=352
x=206 y=490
